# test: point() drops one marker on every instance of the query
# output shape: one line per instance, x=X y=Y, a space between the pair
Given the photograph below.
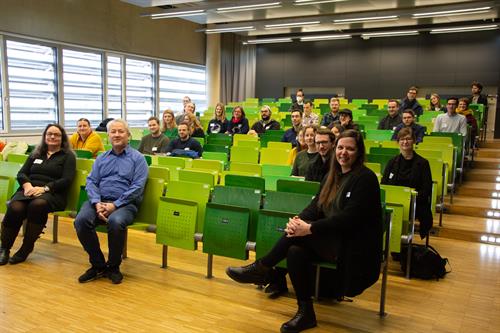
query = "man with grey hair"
x=115 y=187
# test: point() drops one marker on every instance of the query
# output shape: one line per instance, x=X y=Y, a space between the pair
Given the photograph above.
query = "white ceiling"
x=323 y=15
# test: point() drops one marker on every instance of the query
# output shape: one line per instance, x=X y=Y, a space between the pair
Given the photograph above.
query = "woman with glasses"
x=412 y=170
x=45 y=179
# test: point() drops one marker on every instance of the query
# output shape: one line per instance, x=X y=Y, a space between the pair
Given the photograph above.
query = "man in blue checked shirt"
x=115 y=187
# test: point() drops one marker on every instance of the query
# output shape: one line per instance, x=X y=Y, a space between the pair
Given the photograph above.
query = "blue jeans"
x=85 y=224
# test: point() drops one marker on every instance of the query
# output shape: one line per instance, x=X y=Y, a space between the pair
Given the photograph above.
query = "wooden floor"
x=43 y=295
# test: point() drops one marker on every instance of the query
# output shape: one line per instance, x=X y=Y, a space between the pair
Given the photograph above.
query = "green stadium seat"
x=135 y=143
x=10 y=170
x=379 y=135
x=202 y=176
x=279 y=145
x=17 y=158
x=84 y=164
x=243 y=137
x=220 y=139
x=244 y=154
x=257 y=183
x=82 y=153
x=4 y=193
x=218 y=156
x=297 y=186
x=384 y=151
x=159 y=172
x=249 y=144
x=274 y=156
x=246 y=167
x=216 y=148
x=382 y=159
x=205 y=164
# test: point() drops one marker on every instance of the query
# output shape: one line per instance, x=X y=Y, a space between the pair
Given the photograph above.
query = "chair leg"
x=210 y=266
x=164 y=256
x=55 y=227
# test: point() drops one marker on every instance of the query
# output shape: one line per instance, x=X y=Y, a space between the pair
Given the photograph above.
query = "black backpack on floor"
x=426 y=263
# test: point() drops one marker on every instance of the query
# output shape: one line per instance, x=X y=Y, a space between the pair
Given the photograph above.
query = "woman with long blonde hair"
x=194 y=125
x=219 y=122
x=169 y=126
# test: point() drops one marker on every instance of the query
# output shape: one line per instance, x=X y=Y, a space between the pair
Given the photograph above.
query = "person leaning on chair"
x=115 y=188
x=45 y=179
x=342 y=224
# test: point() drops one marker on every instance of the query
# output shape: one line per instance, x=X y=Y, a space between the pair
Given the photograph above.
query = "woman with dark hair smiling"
x=343 y=223
x=238 y=123
x=45 y=179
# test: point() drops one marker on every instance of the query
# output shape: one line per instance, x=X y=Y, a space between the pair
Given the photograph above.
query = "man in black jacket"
x=266 y=123
x=321 y=163
x=393 y=117
x=410 y=102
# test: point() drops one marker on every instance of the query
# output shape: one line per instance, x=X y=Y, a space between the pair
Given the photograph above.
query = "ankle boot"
x=303 y=319
x=8 y=237
x=255 y=273
x=32 y=232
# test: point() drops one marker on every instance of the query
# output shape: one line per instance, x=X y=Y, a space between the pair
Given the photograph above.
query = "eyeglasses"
x=56 y=135
x=406 y=139
x=323 y=143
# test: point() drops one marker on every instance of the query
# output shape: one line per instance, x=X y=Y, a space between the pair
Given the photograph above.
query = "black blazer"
x=357 y=224
x=421 y=181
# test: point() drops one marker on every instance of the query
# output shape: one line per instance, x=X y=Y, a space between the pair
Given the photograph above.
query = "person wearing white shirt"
x=451 y=121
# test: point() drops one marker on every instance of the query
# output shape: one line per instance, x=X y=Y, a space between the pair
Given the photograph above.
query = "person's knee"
x=116 y=223
x=295 y=251
x=17 y=207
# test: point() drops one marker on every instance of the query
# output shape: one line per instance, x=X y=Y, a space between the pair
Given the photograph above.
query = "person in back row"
x=299 y=101
x=218 y=124
x=435 y=103
x=409 y=122
x=238 y=123
x=195 y=128
x=189 y=107
x=85 y=138
x=266 y=123
x=304 y=157
x=45 y=179
x=333 y=115
x=345 y=120
x=155 y=142
x=309 y=117
x=451 y=121
x=319 y=165
x=410 y=102
x=169 y=127
x=115 y=188
x=463 y=109
x=292 y=133
x=184 y=141
x=393 y=118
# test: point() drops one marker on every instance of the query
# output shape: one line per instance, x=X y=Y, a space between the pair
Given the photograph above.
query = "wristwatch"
x=46 y=189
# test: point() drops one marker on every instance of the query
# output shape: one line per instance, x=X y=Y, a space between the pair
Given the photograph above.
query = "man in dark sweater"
x=291 y=133
x=266 y=123
x=155 y=142
x=184 y=141
x=321 y=164
x=409 y=121
x=393 y=117
x=410 y=102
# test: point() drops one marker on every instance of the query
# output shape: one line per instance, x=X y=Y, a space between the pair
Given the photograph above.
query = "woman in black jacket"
x=45 y=179
x=219 y=123
x=238 y=123
x=412 y=170
x=342 y=224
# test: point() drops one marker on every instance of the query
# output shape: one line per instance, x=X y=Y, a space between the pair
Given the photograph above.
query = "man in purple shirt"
x=115 y=187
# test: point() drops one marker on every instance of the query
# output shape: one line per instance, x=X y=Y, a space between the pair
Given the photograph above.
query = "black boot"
x=8 y=238
x=303 y=319
x=277 y=285
x=33 y=230
x=254 y=273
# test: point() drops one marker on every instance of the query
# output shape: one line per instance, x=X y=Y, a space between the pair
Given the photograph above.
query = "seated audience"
x=219 y=122
x=102 y=125
x=238 y=123
x=409 y=122
x=393 y=117
x=266 y=123
x=189 y=107
x=333 y=115
x=184 y=141
x=435 y=103
x=291 y=133
x=309 y=117
x=295 y=150
x=299 y=101
x=195 y=128
x=345 y=120
x=451 y=121
x=45 y=179
x=320 y=164
x=115 y=188
x=85 y=138
x=342 y=224
x=411 y=170
x=410 y=102
x=477 y=97
x=304 y=157
x=169 y=127
x=155 y=142
x=463 y=109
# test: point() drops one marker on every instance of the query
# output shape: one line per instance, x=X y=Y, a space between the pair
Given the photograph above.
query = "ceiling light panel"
x=324 y=37
x=464 y=29
x=291 y=25
x=452 y=12
x=183 y=13
x=268 y=5
x=268 y=41
x=390 y=34
x=234 y=29
x=314 y=2
x=367 y=19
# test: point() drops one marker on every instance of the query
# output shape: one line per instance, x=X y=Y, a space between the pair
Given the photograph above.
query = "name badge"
x=38 y=161
x=154 y=149
x=348 y=195
x=186 y=148
x=391 y=175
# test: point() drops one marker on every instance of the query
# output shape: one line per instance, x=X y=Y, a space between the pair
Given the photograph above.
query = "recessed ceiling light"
x=367 y=19
x=453 y=12
x=324 y=37
x=235 y=29
x=314 y=2
x=268 y=5
x=290 y=25
x=268 y=41
x=466 y=29
x=182 y=13
x=390 y=34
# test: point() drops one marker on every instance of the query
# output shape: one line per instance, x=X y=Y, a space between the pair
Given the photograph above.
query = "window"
x=178 y=81
x=140 y=92
x=82 y=75
x=32 y=85
x=114 y=87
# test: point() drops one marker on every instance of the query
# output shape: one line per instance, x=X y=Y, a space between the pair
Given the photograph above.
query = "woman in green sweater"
x=169 y=127
x=302 y=161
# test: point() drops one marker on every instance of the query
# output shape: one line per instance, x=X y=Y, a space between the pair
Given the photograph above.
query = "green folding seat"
x=280 y=145
x=200 y=140
x=85 y=164
x=249 y=144
x=380 y=102
x=379 y=135
x=225 y=232
x=17 y=158
x=375 y=167
x=218 y=156
x=149 y=159
x=243 y=137
x=191 y=191
x=82 y=153
x=274 y=156
x=10 y=170
x=384 y=151
x=202 y=176
x=104 y=137
x=370 y=143
x=246 y=167
x=285 y=106
x=297 y=186
x=172 y=161
x=253 y=182
x=134 y=143
x=216 y=148
x=235 y=173
x=149 y=206
x=382 y=159
x=214 y=165
x=244 y=154
x=249 y=198
x=220 y=139
x=367 y=124
x=276 y=170
x=389 y=144
x=368 y=118
x=4 y=193
x=159 y=172
x=359 y=101
x=268 y=100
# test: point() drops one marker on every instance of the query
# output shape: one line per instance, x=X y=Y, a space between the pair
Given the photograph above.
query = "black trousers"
x=300 y=253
